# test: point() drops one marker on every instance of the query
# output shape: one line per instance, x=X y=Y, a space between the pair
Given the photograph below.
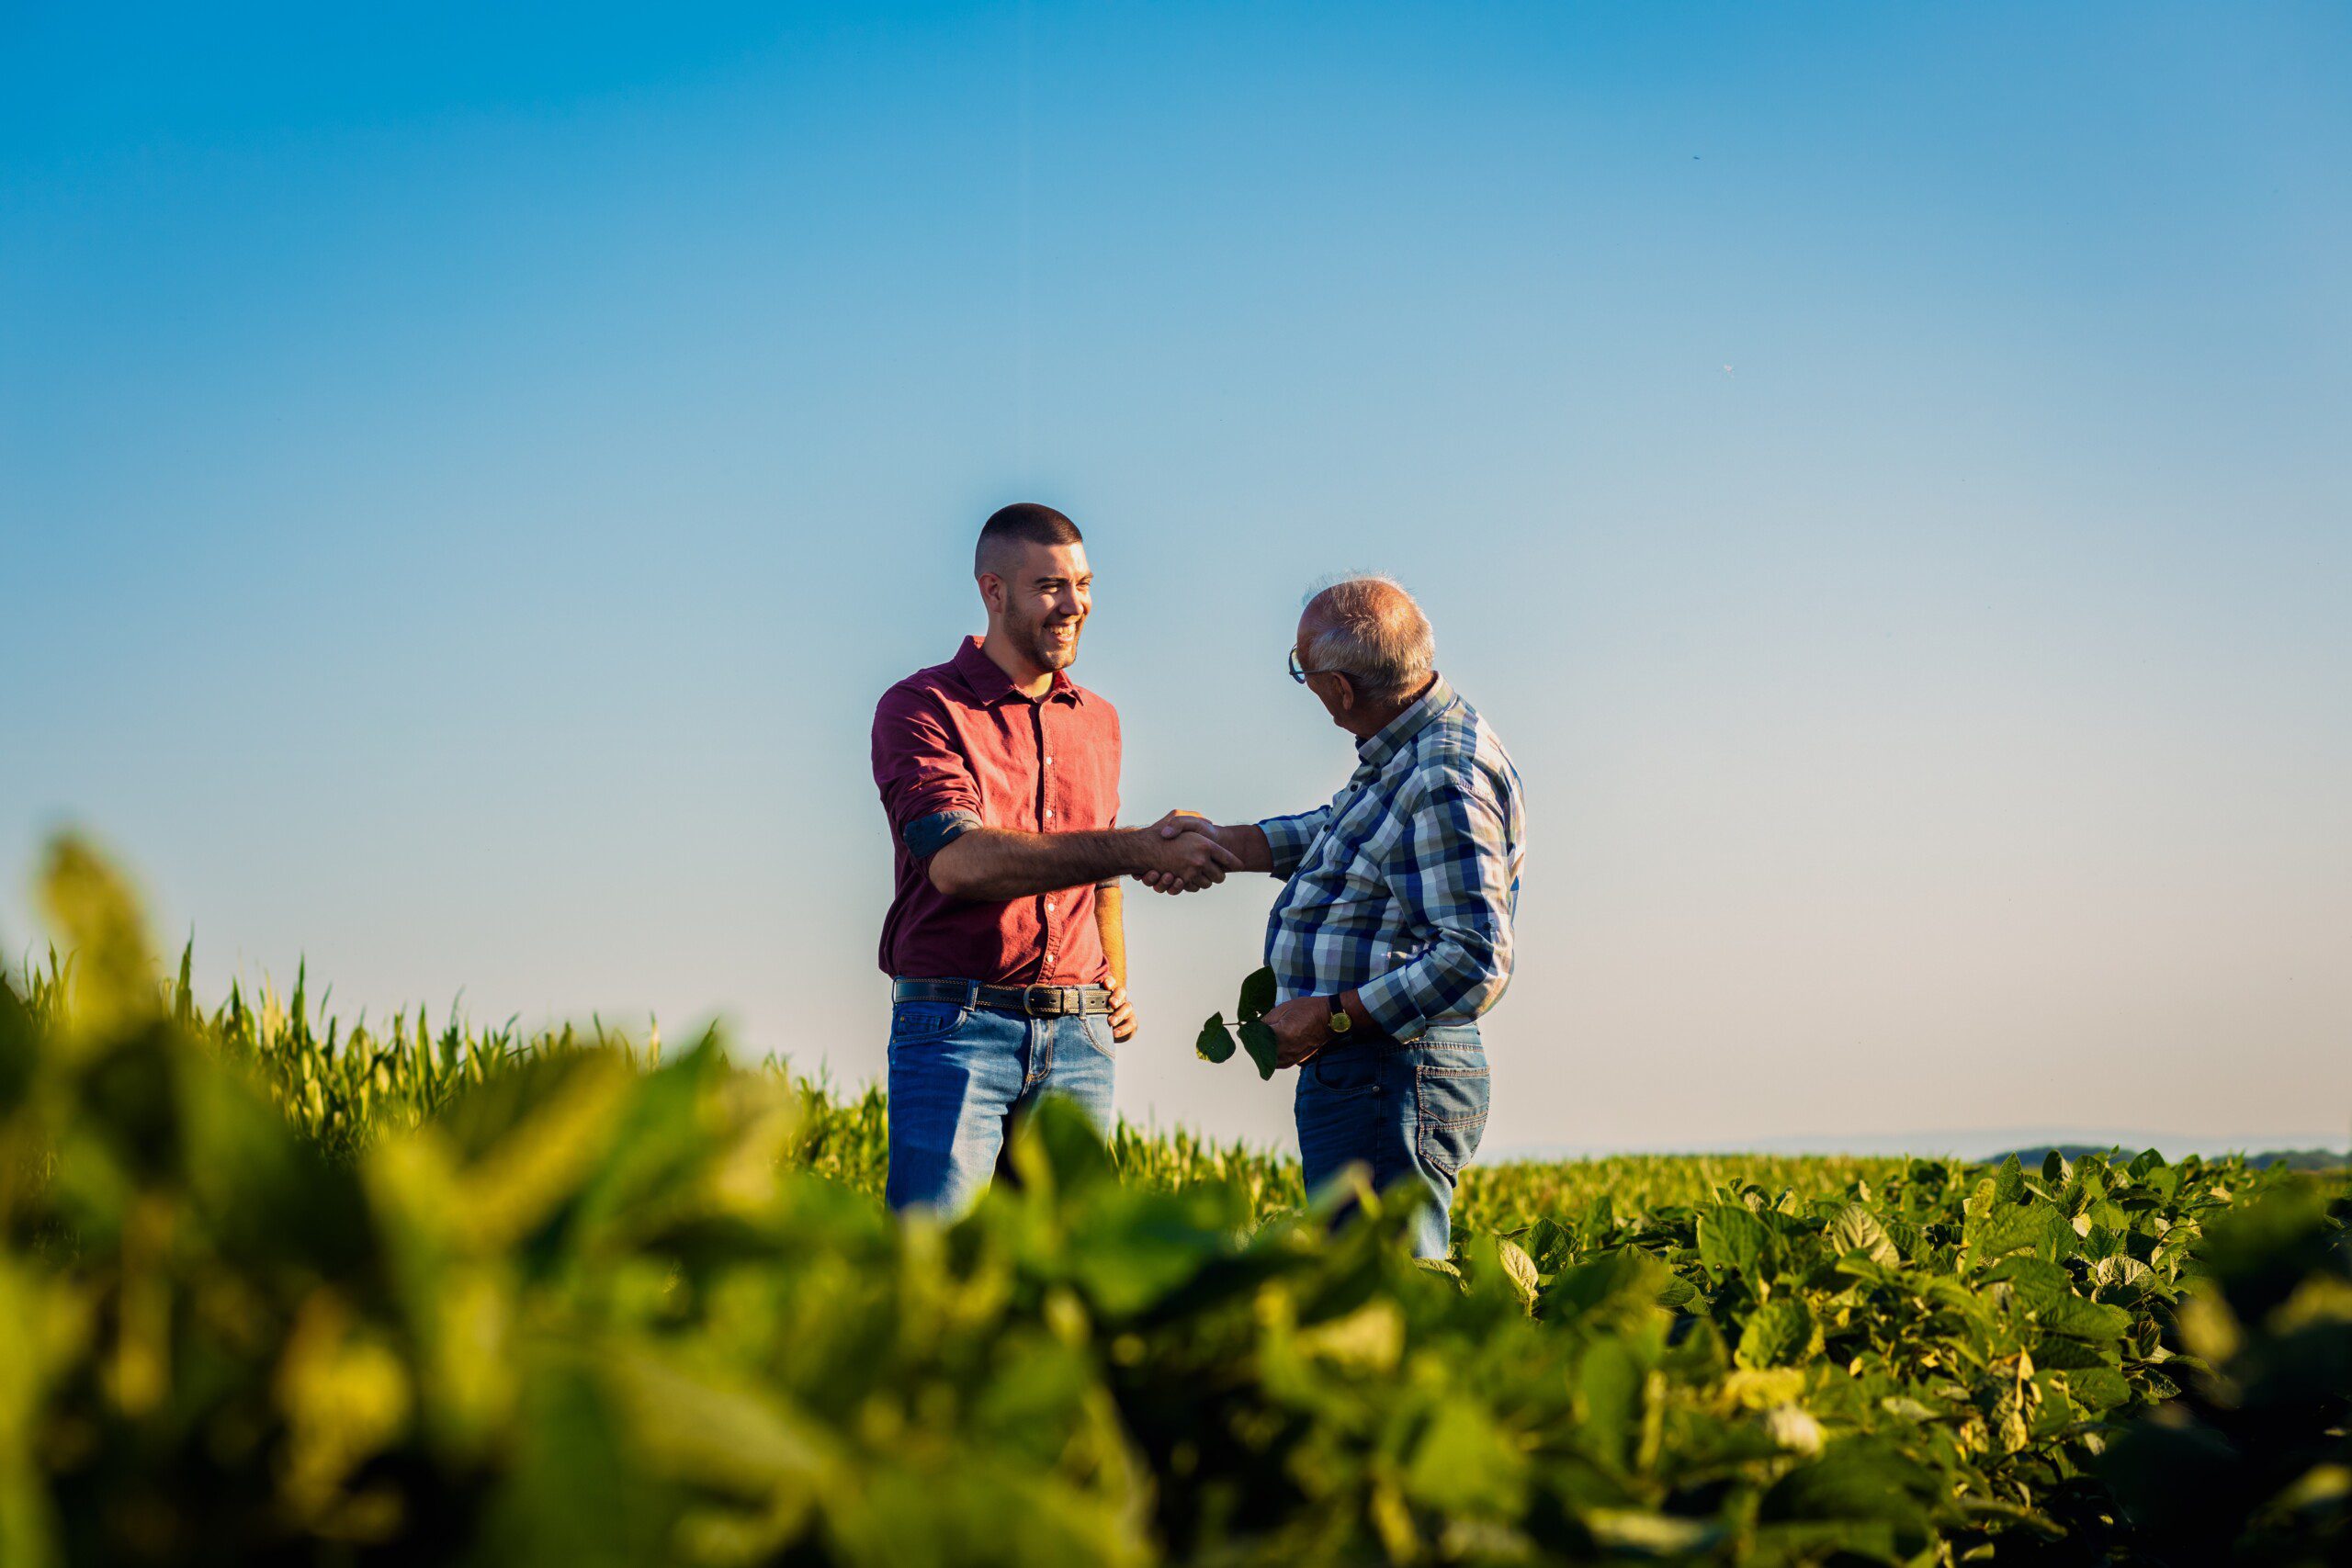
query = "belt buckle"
x=1031 y=1005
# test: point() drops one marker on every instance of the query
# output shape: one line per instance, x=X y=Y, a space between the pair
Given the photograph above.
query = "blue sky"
x=464 y=482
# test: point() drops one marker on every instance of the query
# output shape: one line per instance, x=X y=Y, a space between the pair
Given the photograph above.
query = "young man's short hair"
x=1026 y=523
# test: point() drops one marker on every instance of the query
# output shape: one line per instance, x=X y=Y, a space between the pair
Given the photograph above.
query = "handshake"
x=1185 y=852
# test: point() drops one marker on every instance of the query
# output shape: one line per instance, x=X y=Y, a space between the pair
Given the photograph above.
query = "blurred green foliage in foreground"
x=271 y=1294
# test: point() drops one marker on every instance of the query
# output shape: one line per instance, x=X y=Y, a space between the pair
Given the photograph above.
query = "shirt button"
x=1050 y=814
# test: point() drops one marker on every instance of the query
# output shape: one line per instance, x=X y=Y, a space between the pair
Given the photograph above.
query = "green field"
x=274 y=1289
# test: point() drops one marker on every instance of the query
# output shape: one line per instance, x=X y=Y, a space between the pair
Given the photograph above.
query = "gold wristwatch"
x=1341 y=1022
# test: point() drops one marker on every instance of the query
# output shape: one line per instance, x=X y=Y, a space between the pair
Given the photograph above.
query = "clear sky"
x=1882 y=469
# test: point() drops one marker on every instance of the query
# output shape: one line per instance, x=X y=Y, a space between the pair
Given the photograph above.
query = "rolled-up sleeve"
x=1452 y=875
x=925 y=781
x=1287 y=837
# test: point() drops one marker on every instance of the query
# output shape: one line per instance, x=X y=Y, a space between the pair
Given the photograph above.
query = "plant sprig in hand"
x=1216 y=1043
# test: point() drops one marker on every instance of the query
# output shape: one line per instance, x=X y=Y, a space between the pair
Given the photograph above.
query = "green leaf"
x=1855 y=1229
x=2055 y=1352
x=1139 y=1247
x=2093 y=1322
x=1779 y=1335
x=1257 y=996
x=1216 y=1043
x=575 y=1494
x=1259 y=1042
x=1609 y=1397
x=1856 y=1267
x=1731 y=1240
x=2036 y=1227
x=2038 y=1284
x=2098 y=1388
x=1617 y=1287
x=1854 y=1480
x=1520 y=1267
x=1549 y=1242
x=1650 y=1535
x=20 y=1045
x=732 y=1436
x=90 y=904
x=1057 y=1148
x=2008 y=1182
x=1466 y=1463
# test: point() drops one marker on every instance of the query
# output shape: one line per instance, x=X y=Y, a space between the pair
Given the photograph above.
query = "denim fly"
x=958 y=1076
x=1410 y=1115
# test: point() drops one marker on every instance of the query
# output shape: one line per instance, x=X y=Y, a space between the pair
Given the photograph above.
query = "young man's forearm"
x=1003 y=863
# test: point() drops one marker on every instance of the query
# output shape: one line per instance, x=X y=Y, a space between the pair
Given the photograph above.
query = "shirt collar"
x=1375 y=750
x=990 y=685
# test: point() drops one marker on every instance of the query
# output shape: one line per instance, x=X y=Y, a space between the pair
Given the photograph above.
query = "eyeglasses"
x=1299 y=672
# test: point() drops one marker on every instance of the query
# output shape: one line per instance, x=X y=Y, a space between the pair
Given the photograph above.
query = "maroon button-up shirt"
x=957 y=747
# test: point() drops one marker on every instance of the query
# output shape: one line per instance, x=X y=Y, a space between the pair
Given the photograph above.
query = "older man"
x=1393 y=931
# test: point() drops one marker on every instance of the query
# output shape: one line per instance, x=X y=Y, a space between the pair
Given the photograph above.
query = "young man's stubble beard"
x=1042 y=645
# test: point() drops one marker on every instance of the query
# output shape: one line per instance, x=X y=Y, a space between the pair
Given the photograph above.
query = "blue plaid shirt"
x=1403 y=887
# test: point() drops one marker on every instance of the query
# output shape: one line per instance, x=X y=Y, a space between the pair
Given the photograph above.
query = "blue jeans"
x=958 y=1073
x=1410 y=1114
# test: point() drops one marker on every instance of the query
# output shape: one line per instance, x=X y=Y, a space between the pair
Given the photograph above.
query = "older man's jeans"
x=1410 y=1114
x=957 y=1076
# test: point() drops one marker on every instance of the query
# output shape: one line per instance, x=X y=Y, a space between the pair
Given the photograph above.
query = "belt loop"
x=971 y=994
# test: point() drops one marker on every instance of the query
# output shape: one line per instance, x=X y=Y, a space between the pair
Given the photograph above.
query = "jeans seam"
x=1428 y=1126
x=1448 y=1171
x=918 y=1037
x=1329 y=1091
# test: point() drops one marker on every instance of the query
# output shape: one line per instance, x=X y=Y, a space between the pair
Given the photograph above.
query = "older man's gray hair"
x=1369 y=628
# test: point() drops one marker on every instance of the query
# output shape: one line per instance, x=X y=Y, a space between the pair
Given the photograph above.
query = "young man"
x=1000 y=778
x=1393 y=931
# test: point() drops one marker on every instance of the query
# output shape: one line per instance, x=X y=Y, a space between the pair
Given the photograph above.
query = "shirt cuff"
x=926 y=836
x=1386 y=998
x=1286 y=841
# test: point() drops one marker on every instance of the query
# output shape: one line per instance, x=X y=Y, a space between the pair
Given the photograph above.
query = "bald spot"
x=1360 y=605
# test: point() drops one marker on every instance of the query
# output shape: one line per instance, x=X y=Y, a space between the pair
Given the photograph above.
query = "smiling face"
x=1038 y=597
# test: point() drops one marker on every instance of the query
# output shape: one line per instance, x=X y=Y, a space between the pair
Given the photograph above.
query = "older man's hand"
x=1178 y=825
x=1302 y=1026
x=1173 y=860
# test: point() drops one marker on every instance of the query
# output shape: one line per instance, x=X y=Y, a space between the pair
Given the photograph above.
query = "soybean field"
x=277 y=1289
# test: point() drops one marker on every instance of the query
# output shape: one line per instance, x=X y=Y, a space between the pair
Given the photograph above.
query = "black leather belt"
x=1030 y=1001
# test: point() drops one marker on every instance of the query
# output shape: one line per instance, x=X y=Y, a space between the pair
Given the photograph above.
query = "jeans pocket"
x=1096 y=1026
x=913 y=1021
x=1342 y=1074
x=1452 y=1114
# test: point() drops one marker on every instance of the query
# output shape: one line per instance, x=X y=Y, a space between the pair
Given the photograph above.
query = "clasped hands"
x=1183 y=853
